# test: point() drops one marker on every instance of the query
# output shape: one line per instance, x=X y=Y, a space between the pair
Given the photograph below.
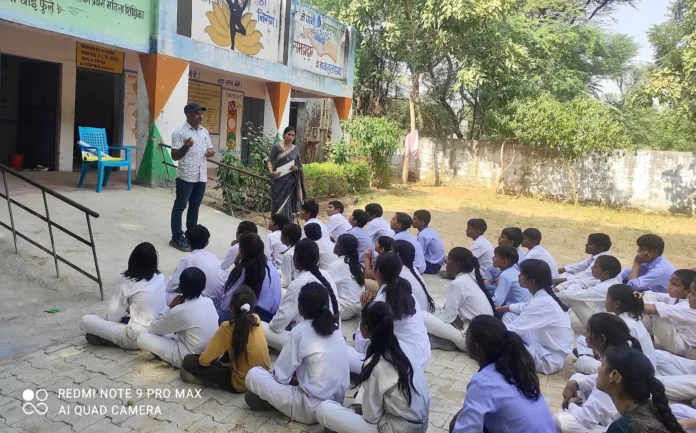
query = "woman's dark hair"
x=242 y=321
x=314 y=302
x=630 y=301
x=383 y=344
x=349 y=243
x=639 y=383
x=614 y=329
x=539 y=271
x=307 y=257
x=142 y=263
x=288 y=129
x=507 y=351
x=253 y=264
x=398 y=291
x=386 y=242
x=293 y=233
x=468 y=263
x=191 y=283
x=407 y=253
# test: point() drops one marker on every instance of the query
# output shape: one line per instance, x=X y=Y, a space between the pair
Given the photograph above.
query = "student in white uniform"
x=598 y=244
x=481 y=248
x=395 y=397
x=686 y=416
x=306 y=262
x=326 y=247
x=348 y=275
x=197 y=238
x=543 y=322
x=504 y=395
x=290 y=235
x=309 y=212
x=338 y=224
x=316 y=352
x=407 y=254
x=377 y=226
x=531 y=239
x=467 y=299
x=140 y=297
x=243 y=228
x=190 y=317
x=273 y=247
x=400 y=223
x=383 y=245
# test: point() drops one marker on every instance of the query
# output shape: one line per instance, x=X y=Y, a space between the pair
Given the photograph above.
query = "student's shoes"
x=180 y=244
x=189 y=377
x=96 y=340
x=256 y=403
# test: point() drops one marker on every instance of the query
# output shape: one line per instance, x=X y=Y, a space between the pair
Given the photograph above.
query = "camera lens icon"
x=40 y=407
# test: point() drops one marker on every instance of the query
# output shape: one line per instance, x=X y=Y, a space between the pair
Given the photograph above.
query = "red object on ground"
x=16 y=161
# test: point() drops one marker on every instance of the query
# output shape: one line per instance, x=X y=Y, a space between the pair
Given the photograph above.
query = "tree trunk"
x=571 y=178
x=503 y=167
x=412 y=103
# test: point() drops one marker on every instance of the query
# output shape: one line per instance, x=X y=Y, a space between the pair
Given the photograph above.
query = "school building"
x=130 y=66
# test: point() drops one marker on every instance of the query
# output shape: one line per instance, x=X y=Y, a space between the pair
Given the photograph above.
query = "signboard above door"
x=99 y=58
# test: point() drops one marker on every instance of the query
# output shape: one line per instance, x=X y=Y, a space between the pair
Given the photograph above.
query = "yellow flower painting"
x=246 y=37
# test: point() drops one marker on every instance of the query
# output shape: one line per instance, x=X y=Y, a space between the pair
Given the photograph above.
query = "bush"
x=382 y=176
x=328 y=180
x=340 y=151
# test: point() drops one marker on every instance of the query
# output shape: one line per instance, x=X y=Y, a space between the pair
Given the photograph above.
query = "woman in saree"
x=288 y=191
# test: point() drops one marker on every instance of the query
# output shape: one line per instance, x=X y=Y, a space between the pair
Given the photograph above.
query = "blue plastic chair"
x=97 y=152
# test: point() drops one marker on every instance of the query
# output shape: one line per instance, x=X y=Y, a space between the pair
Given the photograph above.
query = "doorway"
x=252 y=115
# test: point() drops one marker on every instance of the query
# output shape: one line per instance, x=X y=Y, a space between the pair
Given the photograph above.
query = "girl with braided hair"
x=348 y=274
x=407 y=254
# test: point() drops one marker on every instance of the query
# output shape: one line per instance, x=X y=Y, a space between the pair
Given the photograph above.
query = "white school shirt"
x=638 y=331
x=338 y=225
x=419 y=260
x=228 y=261
x=215 y=276
x=683 y=319
x=324 y=230
x=582 y=269
x=287 y=312
x=273 y=248
x=287 y=268
x=377 y=228
x=194 y=322
x=543 y=321
x=348 y=290
x=465 y=299
x=540 y=253
x=597 y=409
x=142 y=299
x=590 y=290
x=326 y=254
x=482 y=249
x=416 y=287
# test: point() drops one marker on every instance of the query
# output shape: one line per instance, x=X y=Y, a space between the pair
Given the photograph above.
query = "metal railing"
x=51 y=224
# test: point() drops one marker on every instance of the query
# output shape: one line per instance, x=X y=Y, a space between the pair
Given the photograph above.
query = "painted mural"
x=252 y=27
x=319 y=43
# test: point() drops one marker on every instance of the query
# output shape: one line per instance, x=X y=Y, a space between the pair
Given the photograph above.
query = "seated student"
x=326 y=247
x=509 y=237
x=686 y=416
x=467 y=299
x=306 y=262
x=430 y=241
x=481 y=248
x=290 y=236
x=407 y=254
x=383 y=245
x=338 y=224
x=543 y=322
x=650 y=270
x=190 y=317
x=309 y=212
x=668 y=316
x=241 y=337
x=197 y=238
x=358 y=220
x=587 y=297
x=400 y=223
x=243 y=228
x=377 y=226
x=315 y=352
x=507 y=289
x=348 y=275
x=628 y=378
x=504 y=395
x=273 y=246
x=141 y=296
x=598 y=244
x=395 y=395
x=531 y=239
x=255 y=271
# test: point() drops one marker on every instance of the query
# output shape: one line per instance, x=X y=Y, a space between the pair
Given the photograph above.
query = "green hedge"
x=328 y=180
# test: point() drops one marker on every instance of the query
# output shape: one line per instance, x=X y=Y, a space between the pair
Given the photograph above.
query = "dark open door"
x=251 y=114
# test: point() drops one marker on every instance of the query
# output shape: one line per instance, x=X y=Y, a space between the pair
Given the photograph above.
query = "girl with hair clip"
x=504 y=395
x=406 y=313
x=395 y=397
x=306 y=261
x=467 y=299
x=543 y=322
x=348 y=275
x=241 y=337
x=586 y=408
x=315 y=351
x=258 y=273
x=407 y=254
x=627 y=376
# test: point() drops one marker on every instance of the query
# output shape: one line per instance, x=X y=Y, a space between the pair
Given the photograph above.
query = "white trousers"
x=682 y=411
x=663 y=330
x=679 y=388
x=349 y=310
x=583 y=310
x=545 y=362
x=355 y=360
x=167 y=348
x=120 y=334
x=275 y=340
x=446 y=331
x=585 y=364
x=567 y=423
x=673 y=365
x=337 y=418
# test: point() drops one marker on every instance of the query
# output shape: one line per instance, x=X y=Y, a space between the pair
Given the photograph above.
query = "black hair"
x=307 y=257
x=349 y=244
x=507 y=253
x=314 y=302
x=479 y=224
x=468 y=263
x=507 y=351
x=386 y=242
x=539 y=271
x=253 y=264
x=513 y=234
x=600 y=240
x=374 y=209
x=312 y=231
x=242 y=321
x=311 y=207
x=610 y=264
x=686 y=276
x=378 y=319
x=405 y=220
x=398 y=290
x=533 y=235
x=288 y=129
x=360 y=217
x=247 y=227
x=630 y=300
x=651 y=242
x=640 y=384
x=337 y=205
x=142 y=263
x=293 y=233
x=407 y=253
x=191 y=283
x=423 y=215
x=197 y=237
x=614 y=329
x=280 y=220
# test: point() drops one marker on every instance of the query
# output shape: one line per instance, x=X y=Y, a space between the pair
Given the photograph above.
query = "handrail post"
x=94 y=253
x=50 y=232
x=9 y=208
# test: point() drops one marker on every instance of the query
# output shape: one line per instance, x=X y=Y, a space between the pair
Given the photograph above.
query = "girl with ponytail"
x=407 y=254
x=348 y=275
x=504 y=395
x=315 y=352
x=395 y=395
x=543 y=322
x=467 y=299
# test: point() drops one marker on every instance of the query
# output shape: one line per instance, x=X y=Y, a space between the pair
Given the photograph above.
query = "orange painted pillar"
x=342 y=107
x=277 y=110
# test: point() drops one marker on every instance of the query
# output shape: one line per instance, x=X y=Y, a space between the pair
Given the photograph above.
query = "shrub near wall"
x=328 y=180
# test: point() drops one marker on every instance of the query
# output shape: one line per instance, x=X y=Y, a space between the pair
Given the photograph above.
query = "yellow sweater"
x=257 y=351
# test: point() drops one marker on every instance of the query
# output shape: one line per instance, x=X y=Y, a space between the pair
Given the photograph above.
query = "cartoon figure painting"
x=231 y=27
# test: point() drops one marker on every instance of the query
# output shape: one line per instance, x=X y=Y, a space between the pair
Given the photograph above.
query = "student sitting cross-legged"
x=358 y=219
x=141 y=296
x=531 y=239
x=309 y=212
x=395 y=395
x=338 y=224
x=273 y=247
x=407 y=254
x=650 y=270
x=348 y=275
x=598 y=244
x=481 y=248
x=377 y=226
x=241 y=337
x=326 y=247
x=400 y=223
x=243 y=228
x=430 y=241
x=315 y=351
x=383 y=245
x=507 y=288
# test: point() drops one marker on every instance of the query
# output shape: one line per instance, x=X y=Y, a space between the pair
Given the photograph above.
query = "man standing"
x=190 y=146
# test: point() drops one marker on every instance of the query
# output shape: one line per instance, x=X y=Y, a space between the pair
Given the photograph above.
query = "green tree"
x=376 y=138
